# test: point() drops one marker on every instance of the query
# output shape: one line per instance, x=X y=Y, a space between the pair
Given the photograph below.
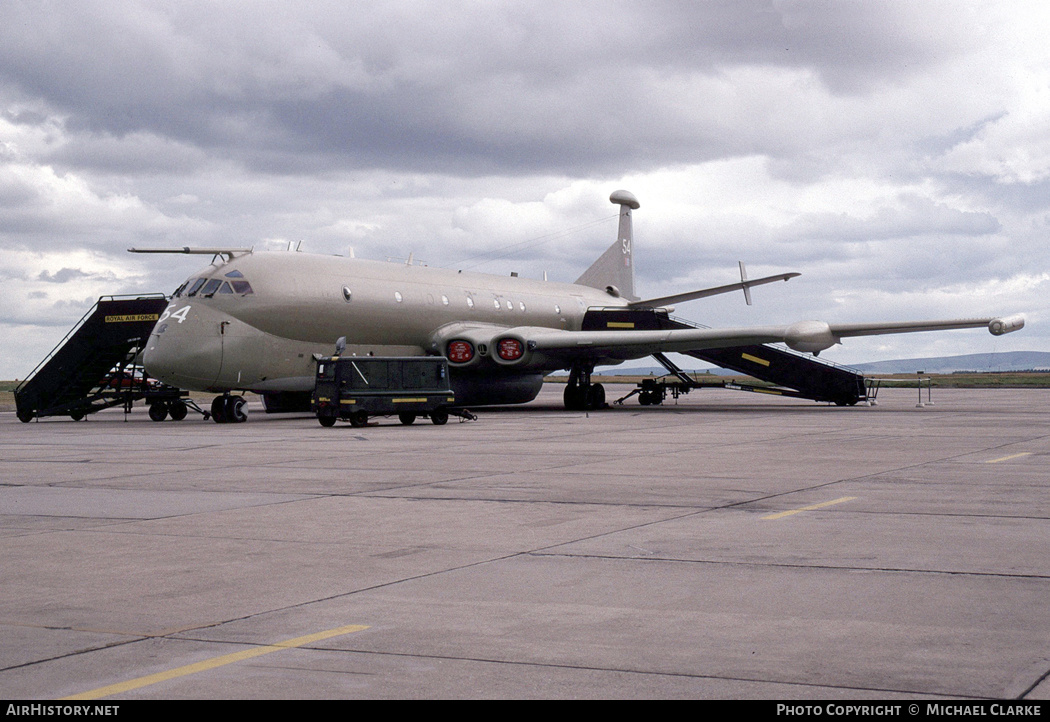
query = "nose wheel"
x=229 y=410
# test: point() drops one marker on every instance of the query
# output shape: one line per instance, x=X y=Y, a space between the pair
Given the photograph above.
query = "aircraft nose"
x=184 y=352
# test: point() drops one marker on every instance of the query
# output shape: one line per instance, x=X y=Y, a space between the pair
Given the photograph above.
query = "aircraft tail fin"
x=613 y=272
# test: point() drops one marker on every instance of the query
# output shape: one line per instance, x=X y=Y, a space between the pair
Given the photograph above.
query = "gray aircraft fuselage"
x=299 y=304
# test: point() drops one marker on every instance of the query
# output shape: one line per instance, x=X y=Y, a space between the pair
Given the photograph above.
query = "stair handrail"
x=76 y=327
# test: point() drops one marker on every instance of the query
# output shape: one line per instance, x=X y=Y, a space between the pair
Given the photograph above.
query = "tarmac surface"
x=730 y=546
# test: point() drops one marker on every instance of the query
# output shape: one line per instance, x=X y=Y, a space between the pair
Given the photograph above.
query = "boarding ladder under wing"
x=793 y=374
x=91 y=368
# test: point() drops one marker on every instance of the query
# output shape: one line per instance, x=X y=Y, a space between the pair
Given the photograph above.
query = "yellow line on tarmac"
x=821 y=505
x=1007 y=458
x=214 y=662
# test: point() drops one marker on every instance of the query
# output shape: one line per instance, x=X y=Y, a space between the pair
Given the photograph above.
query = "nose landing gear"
x=228 y=409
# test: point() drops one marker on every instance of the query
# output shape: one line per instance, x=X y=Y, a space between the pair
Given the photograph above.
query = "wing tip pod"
x=1006 y=324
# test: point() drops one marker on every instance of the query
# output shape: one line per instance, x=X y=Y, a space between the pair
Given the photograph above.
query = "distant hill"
x=1006 y=361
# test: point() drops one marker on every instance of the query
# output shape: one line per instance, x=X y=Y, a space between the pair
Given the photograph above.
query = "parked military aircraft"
x=253 y=321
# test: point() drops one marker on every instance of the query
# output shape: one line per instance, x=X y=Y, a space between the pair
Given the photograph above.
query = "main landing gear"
x=228 y=409
x=176 y=409
x=580 y=393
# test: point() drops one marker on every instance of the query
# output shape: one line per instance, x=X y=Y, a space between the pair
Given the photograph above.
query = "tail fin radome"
x=613 y=272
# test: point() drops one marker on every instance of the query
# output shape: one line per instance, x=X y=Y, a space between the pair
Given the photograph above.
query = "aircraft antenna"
x=743 y=282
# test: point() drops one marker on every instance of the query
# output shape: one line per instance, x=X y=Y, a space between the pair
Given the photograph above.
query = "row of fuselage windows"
x=496 y=302
x=232 y=284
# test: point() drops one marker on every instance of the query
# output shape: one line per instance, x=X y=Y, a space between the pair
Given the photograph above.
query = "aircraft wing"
x=545 y=345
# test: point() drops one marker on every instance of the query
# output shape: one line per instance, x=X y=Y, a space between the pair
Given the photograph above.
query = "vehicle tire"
x=439 y=417
x=77 y=415
x=359 y=419
x=25 y=416
x=178 y=410
x=235 y=413
x=218 y=410
x=596 y=397
x=158 y=411
x=406 y=418
x=326 y=420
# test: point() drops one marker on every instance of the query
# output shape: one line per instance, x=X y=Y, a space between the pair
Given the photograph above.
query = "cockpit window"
x=211 y=287
x=234 y=274
x=179 y=290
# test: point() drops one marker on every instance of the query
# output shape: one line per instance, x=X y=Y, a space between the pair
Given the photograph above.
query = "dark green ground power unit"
x=353 y=388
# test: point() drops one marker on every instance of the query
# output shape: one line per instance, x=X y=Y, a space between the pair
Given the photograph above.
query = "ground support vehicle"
x=354 y=388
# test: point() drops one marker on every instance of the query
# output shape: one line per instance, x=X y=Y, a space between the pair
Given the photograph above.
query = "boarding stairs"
x=94 y=366
x=785 y=372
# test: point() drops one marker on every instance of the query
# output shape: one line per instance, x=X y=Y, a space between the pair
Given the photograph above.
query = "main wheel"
x=439 y=416
x=573 y=397
x=177 y=410
x=406 y=418
x=359 y=419
x=218 y=410
x=235 y=413
x=158 y=411
x=596 y=396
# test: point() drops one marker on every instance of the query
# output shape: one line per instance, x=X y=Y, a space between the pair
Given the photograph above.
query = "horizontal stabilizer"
x=705 y=292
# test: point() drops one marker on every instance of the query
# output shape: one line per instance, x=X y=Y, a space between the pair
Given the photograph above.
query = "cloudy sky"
x=896 y=153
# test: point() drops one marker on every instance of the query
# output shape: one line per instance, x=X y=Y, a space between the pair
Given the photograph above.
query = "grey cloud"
x=436 y=87
x=916 y=216
x=63 y=275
